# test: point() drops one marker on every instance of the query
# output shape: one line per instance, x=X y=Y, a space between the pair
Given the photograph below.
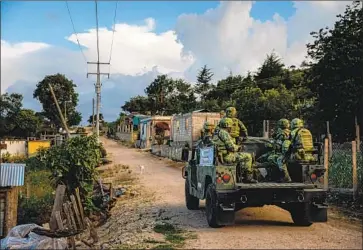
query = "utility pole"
x=98 y=93
x=93 y=114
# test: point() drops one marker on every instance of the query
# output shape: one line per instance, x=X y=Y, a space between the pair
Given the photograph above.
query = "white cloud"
x=226 y=38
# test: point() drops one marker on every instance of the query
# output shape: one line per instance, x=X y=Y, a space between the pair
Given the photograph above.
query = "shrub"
x=17 y=158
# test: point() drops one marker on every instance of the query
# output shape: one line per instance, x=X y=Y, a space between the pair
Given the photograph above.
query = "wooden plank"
x=69 y=225
x=58 y=201
x=76 y=211
x=78 y=197
x=59 y=221
x=326 y=164
x=71 y=214
x=354 y=166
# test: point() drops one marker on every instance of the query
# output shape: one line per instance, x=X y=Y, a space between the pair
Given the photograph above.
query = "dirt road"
x=267 y=227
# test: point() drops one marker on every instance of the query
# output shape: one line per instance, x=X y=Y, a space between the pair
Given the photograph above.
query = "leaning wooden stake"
x=326 y=164
x=354 y=165
x=59 y=195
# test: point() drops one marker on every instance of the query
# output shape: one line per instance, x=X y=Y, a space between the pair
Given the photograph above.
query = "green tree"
x=94 y=118
x=26 y=123
x=204 y=85
x=137 y=104
x=67 y=97
x=336 y=75
x=270 y=72
x=10 y=106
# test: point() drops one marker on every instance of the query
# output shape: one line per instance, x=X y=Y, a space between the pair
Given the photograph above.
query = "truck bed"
x=273 y=185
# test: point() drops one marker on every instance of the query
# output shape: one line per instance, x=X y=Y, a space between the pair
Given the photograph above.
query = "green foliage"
x=204 y=82
x=94 y=118
x=271 y=67
x=73 y=163
x=67 y=97
x=8 y=158
x=336 y=63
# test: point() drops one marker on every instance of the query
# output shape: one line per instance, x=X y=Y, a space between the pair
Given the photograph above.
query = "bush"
x=8 y=158
x=37 y=208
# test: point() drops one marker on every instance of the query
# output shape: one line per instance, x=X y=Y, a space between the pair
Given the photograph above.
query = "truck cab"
x=220 y=184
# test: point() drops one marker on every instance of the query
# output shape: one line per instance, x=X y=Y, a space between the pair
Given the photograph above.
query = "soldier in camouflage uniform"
x=301 y=142
x=228 y=150
x=223 y=115
x=239 y=130
x=280 y=146
x=207 y=133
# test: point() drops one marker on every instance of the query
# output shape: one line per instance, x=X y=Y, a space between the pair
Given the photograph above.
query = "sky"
x=150 y=38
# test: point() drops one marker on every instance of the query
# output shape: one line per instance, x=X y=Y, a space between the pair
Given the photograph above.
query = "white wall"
x=15 y=147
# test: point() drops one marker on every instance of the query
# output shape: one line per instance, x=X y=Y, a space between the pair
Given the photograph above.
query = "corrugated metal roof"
x=12 y=174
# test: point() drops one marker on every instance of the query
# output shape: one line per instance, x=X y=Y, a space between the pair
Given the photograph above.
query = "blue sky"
x=48 y=21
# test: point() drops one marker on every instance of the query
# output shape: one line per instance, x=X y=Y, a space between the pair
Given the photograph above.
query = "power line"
x=113 y=31
x=79 y=45
x=98 y=47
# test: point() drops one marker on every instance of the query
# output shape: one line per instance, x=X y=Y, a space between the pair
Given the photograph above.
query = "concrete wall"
x=187 y=127
x=170 y=152
x=15 y=147
x=125 y=133
x=34 y=146
x=147 y=129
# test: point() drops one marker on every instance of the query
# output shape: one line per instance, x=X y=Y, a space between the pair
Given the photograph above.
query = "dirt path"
x=267 y=227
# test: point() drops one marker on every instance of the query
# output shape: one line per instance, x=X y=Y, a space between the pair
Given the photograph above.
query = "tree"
x=26 y=124
x=67 y=97
x=90 y=119
x=10 y=106
x=203 y=82
x=271 y=68
x=137 y=104
x=336 y=63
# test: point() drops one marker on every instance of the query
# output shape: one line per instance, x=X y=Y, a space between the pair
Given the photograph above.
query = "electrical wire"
x=113 y=31
x=79 y=45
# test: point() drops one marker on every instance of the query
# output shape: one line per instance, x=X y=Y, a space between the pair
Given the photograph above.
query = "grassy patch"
x=175 y=237
x=165 y=228
x=164 y=246
x=152 y=241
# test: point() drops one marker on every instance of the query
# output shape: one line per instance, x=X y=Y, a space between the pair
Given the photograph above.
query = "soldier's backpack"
x=303 y=140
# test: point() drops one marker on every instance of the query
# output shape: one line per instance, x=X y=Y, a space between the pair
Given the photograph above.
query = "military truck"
x=220 y=184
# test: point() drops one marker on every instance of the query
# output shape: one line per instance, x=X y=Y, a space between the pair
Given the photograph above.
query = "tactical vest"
x=221 y=147
x=235 y=131
x=281 y=136
x=302 y=139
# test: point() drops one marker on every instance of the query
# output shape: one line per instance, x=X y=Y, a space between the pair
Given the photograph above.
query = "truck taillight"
x=226 y=178
x=313 y=177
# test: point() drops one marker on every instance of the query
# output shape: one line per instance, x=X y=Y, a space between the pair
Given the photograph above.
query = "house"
x=186 y=128
x=11 y=177
x=154 y=130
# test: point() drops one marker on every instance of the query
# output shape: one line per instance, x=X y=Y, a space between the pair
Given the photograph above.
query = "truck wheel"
x=211 y=207
x=191 y=201
x=300 y=214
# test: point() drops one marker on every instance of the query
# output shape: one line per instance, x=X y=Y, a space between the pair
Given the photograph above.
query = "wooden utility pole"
x=330 y=139
x=326 y=164
x=59 y=110
x=354 y=169
x=98 y=93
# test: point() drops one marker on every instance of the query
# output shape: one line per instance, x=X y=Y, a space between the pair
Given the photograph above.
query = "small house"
x=11 y=177
x=154 y=130
x=186 y=128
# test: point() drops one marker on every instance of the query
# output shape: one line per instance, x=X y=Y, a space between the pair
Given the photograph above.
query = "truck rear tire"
x=191 y=201
x=211 y=207
x=300 y=214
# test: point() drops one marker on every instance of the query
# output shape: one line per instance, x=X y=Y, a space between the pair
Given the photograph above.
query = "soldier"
x=228 y=150
x=301 y=142
x=280 y=146
x=239 y=130
x=207 y=133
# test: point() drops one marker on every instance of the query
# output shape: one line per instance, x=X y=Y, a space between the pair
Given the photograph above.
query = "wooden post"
x=357 y=134
x=264 y=129
x=354 y=166
x=76 y=211
x=58 y=201
x=330 y=140
x=326 y=164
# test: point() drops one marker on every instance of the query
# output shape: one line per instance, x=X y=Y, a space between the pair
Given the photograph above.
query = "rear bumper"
x=271 y=196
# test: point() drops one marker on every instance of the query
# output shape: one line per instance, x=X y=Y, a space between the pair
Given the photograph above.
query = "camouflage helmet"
x=283 y=123
x=226 y=123
x=208 y=126
x=231 y=112
x=297 y=123
x=222 y=113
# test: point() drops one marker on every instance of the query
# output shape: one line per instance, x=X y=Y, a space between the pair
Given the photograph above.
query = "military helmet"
x=208 y=126
x=231 y=112
x=222 y=113
x=297 y=123
x=226 y=123
x=283 y=123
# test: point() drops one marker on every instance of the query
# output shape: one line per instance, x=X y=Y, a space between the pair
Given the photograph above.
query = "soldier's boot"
x=249 y=178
